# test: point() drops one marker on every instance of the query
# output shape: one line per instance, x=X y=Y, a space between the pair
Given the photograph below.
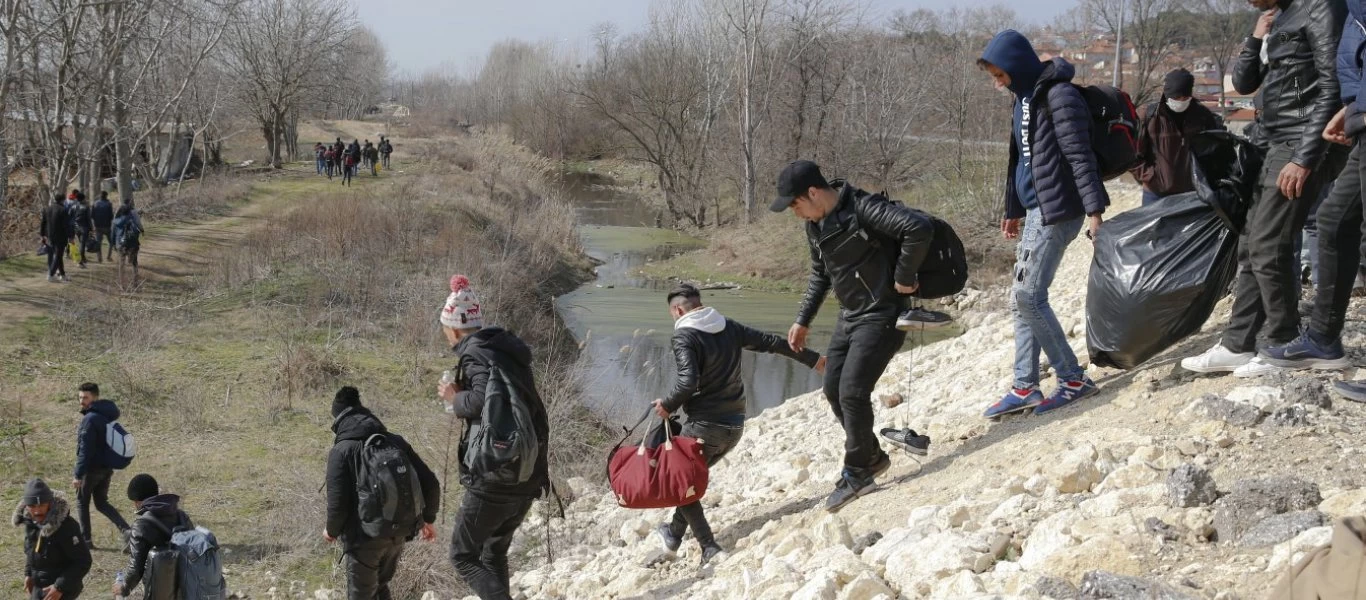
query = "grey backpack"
x=503 y=447
x=198 y=570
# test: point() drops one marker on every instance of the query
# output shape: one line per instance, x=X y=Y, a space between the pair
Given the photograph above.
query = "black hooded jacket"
x=352 y=429
x=708 y=349
x=165 y=509
x=476 y=353
x=92 y=449
x=846 y=254
x=54 y=553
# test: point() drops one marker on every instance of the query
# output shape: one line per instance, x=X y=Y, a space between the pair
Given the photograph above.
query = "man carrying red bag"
x=707 y=347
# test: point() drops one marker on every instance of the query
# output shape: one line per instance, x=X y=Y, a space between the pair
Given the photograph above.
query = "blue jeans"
x=319 y=164
x=1150 y=197
x=1036 y=327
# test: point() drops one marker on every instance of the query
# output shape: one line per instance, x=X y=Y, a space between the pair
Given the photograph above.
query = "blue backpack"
x=193 y=555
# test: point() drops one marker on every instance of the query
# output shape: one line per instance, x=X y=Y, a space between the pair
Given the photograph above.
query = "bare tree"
x=1151 y=26
x=1224 y=26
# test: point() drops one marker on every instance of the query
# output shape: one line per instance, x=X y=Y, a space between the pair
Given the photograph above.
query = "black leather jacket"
x=708 y=357
x=1299 y=88
x=147 y=536
x=862 y=249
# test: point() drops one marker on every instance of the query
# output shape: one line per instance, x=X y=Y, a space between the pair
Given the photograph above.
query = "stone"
x=1189 y=486
x=1304 y=390
x=1036 y=485
x=1190 y=447
x=1295 y=415
x=1130 y=476
x=1104 y=585
x=1266 y=398
x=1160 y=528
x=1012 y=508
x=866 y=587
x=1050 y=536
x=1279 y=528
x=1056 y=588
x=1345 y=504
x=892 y=400
x=822 y=587
x=1289 y=553
x=936 y=556
x=1252 y=500
x=959 y=585
x=1075 y=472
x=1239 y=414
x=430 y=595
x=833 y=530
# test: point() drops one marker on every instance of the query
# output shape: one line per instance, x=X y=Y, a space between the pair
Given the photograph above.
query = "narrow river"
x=623 y=320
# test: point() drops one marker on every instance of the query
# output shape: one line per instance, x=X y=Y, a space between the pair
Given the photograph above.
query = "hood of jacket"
x=499 y=340
x=705 y=319
x=1010 y=51
x=163 y=505
x=104 y=408
x=1056 y=70
x=356 y=424
x=55 y=516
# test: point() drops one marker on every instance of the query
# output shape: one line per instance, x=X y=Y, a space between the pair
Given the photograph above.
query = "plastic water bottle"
x=448 y=378
x=118 y=581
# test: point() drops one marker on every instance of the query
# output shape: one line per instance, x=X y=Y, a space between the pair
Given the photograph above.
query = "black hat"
x=1178 y=84
x=684 y=290
x=795 y=179
x=347 y=397
x=37 y=492
x=142 y=486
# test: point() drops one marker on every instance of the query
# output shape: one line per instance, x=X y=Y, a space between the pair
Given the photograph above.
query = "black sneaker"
x=883 y=463
x=919 y=318
x=709 y=552
x=908 y=440
x=849 y=489
x=667 y=539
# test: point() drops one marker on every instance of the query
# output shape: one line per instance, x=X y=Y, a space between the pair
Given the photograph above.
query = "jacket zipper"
x=859 y=277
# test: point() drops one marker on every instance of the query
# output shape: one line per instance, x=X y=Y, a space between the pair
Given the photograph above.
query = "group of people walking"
x=343 y=160
x=69 y=227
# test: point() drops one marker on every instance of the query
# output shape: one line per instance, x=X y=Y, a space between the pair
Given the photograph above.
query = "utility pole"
x=1119 y=43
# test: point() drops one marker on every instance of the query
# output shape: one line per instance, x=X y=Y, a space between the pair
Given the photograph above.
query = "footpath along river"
x=624 y=323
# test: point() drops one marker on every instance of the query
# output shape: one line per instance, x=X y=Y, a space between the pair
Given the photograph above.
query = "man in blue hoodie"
x=1339 y=224
x=93 y=465
x=1053 y=190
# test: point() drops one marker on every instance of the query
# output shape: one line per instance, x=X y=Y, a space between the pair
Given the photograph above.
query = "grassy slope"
x=203 y=388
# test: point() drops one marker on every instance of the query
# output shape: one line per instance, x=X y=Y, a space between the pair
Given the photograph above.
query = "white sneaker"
x=1217 y=360
x=1256 y=368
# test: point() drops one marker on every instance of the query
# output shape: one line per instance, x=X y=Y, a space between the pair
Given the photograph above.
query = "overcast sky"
x=425 y=34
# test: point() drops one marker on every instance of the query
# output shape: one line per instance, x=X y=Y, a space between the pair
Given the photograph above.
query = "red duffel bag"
x=671 y=474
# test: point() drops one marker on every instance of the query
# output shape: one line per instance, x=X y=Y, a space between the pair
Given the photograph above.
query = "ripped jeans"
x=1036 y=327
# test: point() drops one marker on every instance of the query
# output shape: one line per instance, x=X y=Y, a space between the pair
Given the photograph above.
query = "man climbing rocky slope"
x=1168 y=484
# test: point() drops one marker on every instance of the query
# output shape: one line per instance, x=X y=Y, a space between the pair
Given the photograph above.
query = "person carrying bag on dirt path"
x=56 y=561
x=380 y=495
x=708 y=349
x=872 y=252
x=55 y=231
x=504 y=464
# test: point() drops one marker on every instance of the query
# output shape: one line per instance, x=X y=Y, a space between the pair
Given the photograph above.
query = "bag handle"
x=668 y=438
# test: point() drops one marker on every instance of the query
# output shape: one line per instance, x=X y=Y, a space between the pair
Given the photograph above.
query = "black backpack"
x=388 y=492
x=503 y=447
x=1114 y=128
x=944 y=272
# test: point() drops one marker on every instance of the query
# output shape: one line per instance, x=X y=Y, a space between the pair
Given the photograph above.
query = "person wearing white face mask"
x=1163 y=143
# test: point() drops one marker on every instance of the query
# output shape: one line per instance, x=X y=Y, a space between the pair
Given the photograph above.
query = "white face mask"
x=1178 y=105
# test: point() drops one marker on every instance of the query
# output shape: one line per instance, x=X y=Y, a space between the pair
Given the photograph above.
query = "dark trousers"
x=370 y=566
x=56 y=264
x=858 y=354
x=1339 y=250
x=717 y=441
x=1266 y=294
x=102 y=234
x=96 y=485
x=82 y=238
x=479 y=545
x=386 y=160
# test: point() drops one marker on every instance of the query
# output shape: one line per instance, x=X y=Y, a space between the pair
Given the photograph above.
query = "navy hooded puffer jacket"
x=1351 y=48
x=1066 y=178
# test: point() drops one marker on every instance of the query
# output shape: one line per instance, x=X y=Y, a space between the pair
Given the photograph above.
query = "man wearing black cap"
x=873 y=253
x=707 y=349
x=158 y=515
x=1164 y=143
x=56 y=558
x=370 y=561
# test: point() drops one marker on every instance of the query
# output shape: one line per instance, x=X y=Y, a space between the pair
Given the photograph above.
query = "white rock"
x=326 y=594
x=1050 y=536
x=635 y=530
x=430 y=595
x=866 y=587
x=1075 y=471
x=1289 y=553
x=959 y=585
x=914 y=566
x=1263 y=397
x=1013 y=508
x=1119 y=501
x=1037 y=485
x=1131 y=476
x=821 y=587
x=1347 y=503
x=832 y=530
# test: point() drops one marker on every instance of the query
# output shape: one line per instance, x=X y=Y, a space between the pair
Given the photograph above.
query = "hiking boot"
x=1067 y=393
x=709 y=551
x=1257 y=367
x=1351 y=390
x=668 y=540
x=847 y=490
x=1217 y=360
x=1307 y=353
x=919 y=318
x=908 y=440
x=1015 y=401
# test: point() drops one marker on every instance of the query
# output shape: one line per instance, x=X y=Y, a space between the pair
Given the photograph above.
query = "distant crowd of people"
x=70 y=228
x=340 y=159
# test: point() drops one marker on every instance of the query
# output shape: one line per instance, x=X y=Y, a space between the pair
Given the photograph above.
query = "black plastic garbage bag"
x=1159 y=270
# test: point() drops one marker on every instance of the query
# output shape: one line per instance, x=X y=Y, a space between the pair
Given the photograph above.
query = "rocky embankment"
x=1167 y=485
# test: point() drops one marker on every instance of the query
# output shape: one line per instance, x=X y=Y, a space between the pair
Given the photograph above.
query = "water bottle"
x=448 y=378
x=118 y=581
